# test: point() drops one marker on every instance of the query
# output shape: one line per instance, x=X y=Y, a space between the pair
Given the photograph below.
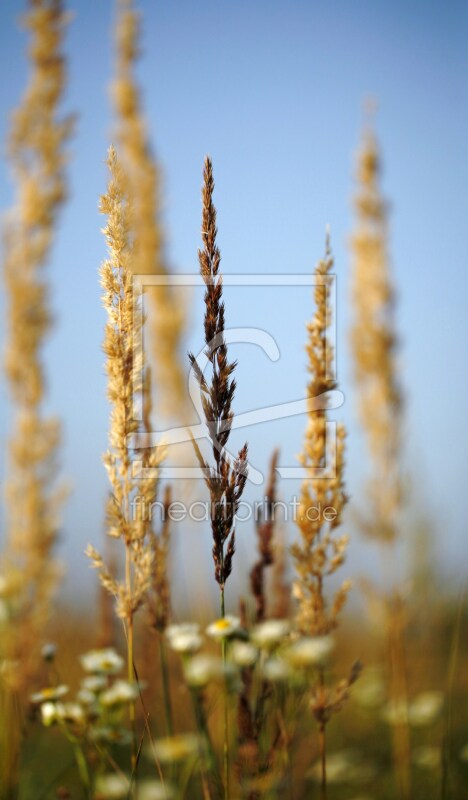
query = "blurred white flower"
x=180 y=628
x=51 y=693
x=369 y=691
x=112 y=786
x=70 y=712
x=150 y=789
x=464 y=752
x=243 y=654
x=425 y=708
x=94 y=683
x=86 y=697
x=427 y=757
x=111 y=735
x=345 y=766
x=338 y=766
x=48 y=714
x=120 y=692
x=172 y=749
x=309 y=651
x=395 y=713
x=185 y=641
x=105 y=662
x=204 y=669
x=224 y=627
x=276 y=670
x=270 y=633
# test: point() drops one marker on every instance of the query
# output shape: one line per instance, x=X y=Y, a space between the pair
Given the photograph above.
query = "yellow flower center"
x=223 y=624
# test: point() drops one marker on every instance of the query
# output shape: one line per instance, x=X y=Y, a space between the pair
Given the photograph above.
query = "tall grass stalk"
x=319 y=552
x=125 y=367
x=166 y=314
x=374 y=343
x=445 y=786
x=227 y=477
x=265 y=544
x=36 y=152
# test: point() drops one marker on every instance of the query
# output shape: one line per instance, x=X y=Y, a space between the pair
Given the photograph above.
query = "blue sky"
x=274 y=92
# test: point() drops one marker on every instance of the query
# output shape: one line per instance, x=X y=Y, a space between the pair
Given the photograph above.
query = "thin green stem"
x=322 y=746
x=221 y=597
x=166 y=687
x=132 y=709
x=226 y=711
x=82 y=768
x=283 y=725
x=11 y=744
x=185 y=777
x=202 y=727
x=323 y=762
x=129 y=626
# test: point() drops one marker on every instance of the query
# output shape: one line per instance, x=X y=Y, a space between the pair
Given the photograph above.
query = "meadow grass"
x=249 y=701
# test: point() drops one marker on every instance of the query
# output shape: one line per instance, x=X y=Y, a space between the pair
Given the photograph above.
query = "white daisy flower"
x=49 y=694
x=70 y=712
x=243 y=654
x=395 y=713
x=106 y=662
x=271 y=633
x=48 y=714
x=425 y=708
x=151 y=789
x=182 y=628
x=276 y=670
x=120 y=692
x=224 y=627
x=94 y=683
x=204 y=669
x=112 y=786
x=172 y=749
x=85 y=697
x=310 y=651
x=185 y=642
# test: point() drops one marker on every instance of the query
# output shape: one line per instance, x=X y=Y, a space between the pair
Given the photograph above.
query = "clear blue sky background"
x=273 y=90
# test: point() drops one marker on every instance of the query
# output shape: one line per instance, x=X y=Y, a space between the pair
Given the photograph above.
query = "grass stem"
x=166 y=687
x=226 y=766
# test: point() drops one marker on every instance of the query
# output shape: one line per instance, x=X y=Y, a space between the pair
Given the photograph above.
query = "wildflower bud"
x=49 y=652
